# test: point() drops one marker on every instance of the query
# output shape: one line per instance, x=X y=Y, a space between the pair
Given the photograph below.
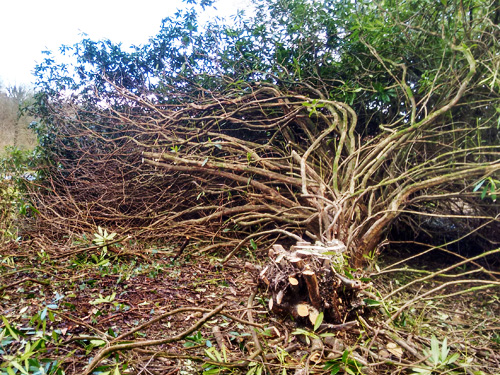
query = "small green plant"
x=90 y=344
x=43 y=257
x=101 y=299
x=281 y=355
x=196 y=339
x=308 y=335
x=15 y=174
x=103 y=238
x=256 y=368
x=24 y=348
x=238 y=338
x=496 y=338
x=312 y=106
x=216 y=356
x=489 y=188
x=346 y=363
x=439 y=359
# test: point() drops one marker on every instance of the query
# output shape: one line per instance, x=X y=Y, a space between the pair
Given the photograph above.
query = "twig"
x=68 y=253
x=411 y=302
x=256 y=341
x=44 y=283
x=240 y=245
x=103 y=335
x=180 y=310
x=140 y=344
x=437 y=273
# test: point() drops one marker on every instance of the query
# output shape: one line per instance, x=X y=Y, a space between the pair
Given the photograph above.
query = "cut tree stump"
x=309 y=279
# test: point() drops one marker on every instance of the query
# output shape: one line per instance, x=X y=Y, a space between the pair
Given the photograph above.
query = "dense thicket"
x=314 y=119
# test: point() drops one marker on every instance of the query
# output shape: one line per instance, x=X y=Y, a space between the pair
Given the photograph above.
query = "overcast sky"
x=28 y=27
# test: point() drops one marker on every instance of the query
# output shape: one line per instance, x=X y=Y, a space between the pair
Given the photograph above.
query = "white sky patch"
x=28 y=27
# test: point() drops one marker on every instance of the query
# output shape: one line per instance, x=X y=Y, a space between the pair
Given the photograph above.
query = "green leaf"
x=330 y=364
x=300 y=331
x=423 y=371
x=213 y=354
x=378 y=87
x=318 y=321
x=452 y=358
x=253 y=244
x=434 y=350
x=444 y=349
x=9 y=328
x=212 y=371
x=19 y=367
x=328 y=334
x=345 y=355
x=372 y=302
x=335 y=369
x=485 y=191
x=478 y=185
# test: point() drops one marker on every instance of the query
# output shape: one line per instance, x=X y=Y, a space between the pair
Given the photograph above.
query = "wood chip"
x=394 y=349
x=279 y=297
x=279 y=248
x=313 y=314
x=297 y=262
x=315 y=357
x=303 y=243
x=302 y=309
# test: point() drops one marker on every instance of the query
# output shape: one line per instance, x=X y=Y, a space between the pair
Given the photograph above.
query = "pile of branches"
x=226 y=167
x=249 y=164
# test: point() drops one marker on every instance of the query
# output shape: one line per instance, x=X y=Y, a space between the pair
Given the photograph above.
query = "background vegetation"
x=14 y=125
